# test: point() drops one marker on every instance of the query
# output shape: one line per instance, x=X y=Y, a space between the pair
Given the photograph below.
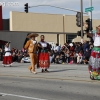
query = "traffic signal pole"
x=91 y=17
x=82 y=19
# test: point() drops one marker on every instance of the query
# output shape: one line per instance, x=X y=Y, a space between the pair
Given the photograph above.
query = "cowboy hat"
x=32 y=35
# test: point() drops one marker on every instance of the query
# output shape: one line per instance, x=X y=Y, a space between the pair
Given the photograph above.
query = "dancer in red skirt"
x=43 y=55
x=94 y=61
x=7 y=59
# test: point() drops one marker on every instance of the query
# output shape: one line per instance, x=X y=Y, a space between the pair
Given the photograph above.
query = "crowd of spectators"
x=77 y=53
x=70 y=53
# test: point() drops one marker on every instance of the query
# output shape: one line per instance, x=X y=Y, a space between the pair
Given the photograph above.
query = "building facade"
x=57 y=28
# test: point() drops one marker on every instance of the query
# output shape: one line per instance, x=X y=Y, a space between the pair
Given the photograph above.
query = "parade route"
x=63 y=82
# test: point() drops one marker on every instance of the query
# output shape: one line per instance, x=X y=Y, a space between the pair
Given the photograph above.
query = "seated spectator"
x=57 y=48
x=61 y=59
x=79 y=57
x=25 y=59
x=1 y=54
x=56 y=57
x=67 y=56
x=14 y=57
x=19 y=56
x=75 y=57
x=51 y=56
x=71 y=57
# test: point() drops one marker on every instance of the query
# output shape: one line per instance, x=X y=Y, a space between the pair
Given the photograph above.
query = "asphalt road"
x=63 y=82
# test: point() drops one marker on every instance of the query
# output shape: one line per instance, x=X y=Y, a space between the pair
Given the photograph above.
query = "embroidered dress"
x=7 y=59
x=43 y=56
x=94 y=61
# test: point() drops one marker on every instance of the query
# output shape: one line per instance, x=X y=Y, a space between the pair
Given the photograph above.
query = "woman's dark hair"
x=26 y=40
x=57 y=44
x=42 y=35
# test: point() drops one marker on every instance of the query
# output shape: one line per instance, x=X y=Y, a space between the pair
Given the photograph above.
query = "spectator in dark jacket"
x=79 y=48
x=85 y=46
x=86 y=56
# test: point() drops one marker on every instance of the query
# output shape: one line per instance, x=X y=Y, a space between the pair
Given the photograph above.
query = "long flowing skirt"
x=94 y=61
x=43 y=60
x=7 y=60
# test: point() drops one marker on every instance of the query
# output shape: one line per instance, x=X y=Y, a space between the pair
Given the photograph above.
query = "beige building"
x=48 y=24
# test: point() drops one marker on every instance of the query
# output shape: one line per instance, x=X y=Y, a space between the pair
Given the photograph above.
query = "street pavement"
x=63 y=82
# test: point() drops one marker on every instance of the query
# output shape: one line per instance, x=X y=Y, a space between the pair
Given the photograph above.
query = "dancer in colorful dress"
x=94 y=61
x=7 y=59
x=32 y=47
x=43 y=55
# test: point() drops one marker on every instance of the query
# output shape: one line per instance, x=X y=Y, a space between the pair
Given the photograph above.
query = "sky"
x=18 y=5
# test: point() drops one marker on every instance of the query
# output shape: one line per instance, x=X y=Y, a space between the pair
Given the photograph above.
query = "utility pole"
x=91 y=16
x=82 y=19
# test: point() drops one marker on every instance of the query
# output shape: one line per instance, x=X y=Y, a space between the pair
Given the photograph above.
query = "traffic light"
x=79 y=33
x=26 y=7
x=78 y=19
x=89 y=23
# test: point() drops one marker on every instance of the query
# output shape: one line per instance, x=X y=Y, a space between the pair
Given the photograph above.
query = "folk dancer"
x=32 y=47
x=7 y=59
x=94 y=61
x=43 y=55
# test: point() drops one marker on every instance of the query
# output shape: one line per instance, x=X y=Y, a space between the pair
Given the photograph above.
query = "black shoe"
x=46 y=70
x=42 y=71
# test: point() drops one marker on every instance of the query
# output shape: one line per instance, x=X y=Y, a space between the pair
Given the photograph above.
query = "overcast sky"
x=72 y=4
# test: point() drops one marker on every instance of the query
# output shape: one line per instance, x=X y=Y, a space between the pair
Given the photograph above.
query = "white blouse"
x=34 y=42
x=7 y=53
x=96 y=39
x=43 y=44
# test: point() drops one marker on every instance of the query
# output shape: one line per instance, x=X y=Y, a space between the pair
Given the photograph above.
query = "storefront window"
x=70 y=37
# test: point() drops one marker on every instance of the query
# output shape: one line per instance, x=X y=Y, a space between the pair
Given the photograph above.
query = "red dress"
x=7 y=59
x=43 y=56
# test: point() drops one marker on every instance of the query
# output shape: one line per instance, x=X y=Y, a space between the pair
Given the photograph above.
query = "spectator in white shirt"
x=57 y=48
